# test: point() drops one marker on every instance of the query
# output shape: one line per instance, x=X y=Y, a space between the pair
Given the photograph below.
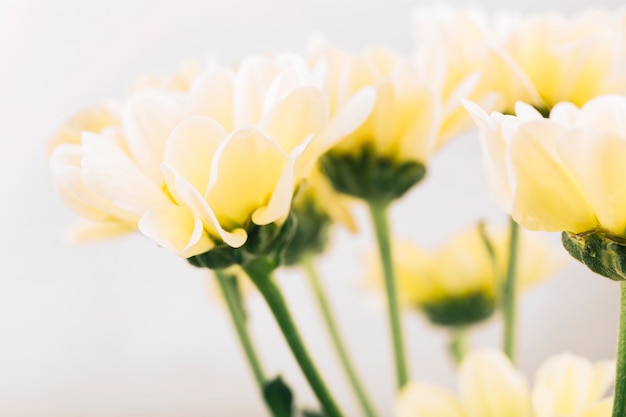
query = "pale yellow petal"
x=426 y=400
x=187 y=195
x=109 y=172
x=253 y=79
x=245 y=172
x=191 y=148
x=85 y=231
x=280 y=201
x=491 y=387
x=601 y=409
x=546 y=196
x=176 y=229
x=597 y=162
x=149 y=117
x=211 y=95
x=300 y=114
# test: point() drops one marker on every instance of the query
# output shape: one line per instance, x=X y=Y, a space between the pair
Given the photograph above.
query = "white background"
x=123 y=328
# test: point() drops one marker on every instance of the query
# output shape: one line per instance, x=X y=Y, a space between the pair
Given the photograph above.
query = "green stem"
x=237 y=315
x=378 y=211
x=335 y=335
x=619 y=400
x=261 y=274
x=458 y=345
x=509 y=295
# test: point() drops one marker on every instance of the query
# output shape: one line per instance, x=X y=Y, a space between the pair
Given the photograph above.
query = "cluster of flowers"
x=248 y=165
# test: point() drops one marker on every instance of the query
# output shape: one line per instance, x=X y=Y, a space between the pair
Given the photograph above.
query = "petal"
x=348 y=118
x=607 y=113
x=149 y=117
x=301 y=113
x=280 y=202
x=109 y=172
x=598 y=162
x=562 y=385
x=426 y=400
x=85 y=231
x=600 y=409
x=493 y=148
x=419 y=112
x=191 y=148
x=211 y=95
x=546 y=196
x=245 y=172
x=491 y=387
x=189 y=197
x=253 y=79
x=176 y=229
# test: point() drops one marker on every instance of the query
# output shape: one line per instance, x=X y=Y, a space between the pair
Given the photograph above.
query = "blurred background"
x=123 y=328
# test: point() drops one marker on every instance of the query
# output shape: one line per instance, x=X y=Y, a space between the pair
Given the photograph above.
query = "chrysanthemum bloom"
x=204 y=167
x=457 y=284
x=490 y=386
x=565 y=173
x=540 y=59
x=387 y=154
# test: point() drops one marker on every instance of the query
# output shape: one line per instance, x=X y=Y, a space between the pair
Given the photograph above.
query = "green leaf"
x=278 y=397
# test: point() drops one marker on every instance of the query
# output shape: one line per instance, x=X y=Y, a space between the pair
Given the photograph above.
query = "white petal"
x=491 y=387
x=426 y=400
x=191 y=148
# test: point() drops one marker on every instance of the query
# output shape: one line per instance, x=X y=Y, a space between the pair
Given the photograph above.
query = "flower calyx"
x=600 y=251
x=460 y=311
x=268 y=242
x=369 y=176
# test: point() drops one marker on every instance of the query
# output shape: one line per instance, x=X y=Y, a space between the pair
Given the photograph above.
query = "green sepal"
x=268 y=242
x=460 y=311
x=370 y=176
x=601 y=252
x=219 y=257
x=278 y=397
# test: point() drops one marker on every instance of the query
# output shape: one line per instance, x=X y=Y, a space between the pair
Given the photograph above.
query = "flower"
x=316 y=209
x=490 y=386
x=457 y=283
x=195 y=169
x=563 y=173
x=541 y=59
x=387 y=154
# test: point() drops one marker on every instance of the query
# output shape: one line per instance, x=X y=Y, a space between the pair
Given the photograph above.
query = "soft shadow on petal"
x=191 y=148
x=176 y=229
x=545 y=190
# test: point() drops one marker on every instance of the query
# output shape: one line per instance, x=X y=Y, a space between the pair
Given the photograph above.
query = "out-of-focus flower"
x=540 y=59
x=457 y=284
x=316 y=209
x=490 y=386
x=198 y=168
x=384 y=157
x=565 y=173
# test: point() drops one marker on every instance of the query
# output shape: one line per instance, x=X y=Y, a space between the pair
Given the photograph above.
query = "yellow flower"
x=490 y=386
x=197 y=168
x=404 y=122
x=457 y=283
x=565 y=173
x=541 y=59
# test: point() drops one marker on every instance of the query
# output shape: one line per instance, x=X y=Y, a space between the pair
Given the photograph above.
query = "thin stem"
x=378 y=211
x=458 y=345
x=260 y=274
x=237 y=315
x=335 y=335
x=619 y=400
x=509 y=296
